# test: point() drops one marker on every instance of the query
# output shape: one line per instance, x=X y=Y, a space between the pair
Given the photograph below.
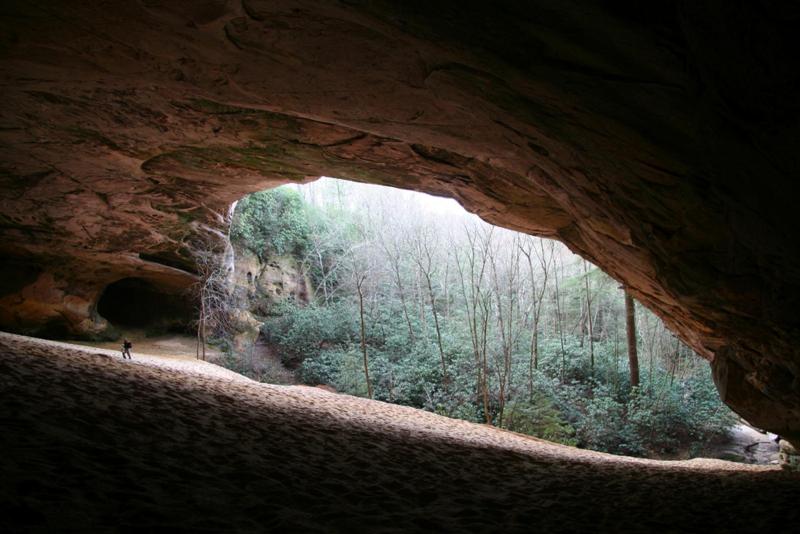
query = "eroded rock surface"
x=658 y=141
x=258 y=286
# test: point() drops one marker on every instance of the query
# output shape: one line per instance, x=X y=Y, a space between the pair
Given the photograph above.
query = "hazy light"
x=428 y=203
x=440 y=205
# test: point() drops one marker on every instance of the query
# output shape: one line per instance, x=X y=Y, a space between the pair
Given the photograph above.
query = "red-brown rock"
x=660 y=143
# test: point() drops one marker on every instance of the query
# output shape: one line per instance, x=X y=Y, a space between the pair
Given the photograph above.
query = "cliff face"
x=257 y=287
x=657 y=142
x=278 y=279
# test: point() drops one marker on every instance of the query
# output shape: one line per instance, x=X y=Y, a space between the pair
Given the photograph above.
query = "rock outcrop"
x=257 y=287
x=658 y=141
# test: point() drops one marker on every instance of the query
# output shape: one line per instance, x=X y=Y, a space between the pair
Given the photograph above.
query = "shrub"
x=271 y=222
x=302 y=332
x=539 y=418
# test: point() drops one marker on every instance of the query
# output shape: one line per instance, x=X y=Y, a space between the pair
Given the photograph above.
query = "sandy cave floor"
x=174 y=346
x=91 y=442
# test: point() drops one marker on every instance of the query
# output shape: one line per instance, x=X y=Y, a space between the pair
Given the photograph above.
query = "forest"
x=414 y=301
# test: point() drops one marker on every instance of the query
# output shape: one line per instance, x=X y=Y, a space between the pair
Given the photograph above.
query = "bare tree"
x=477 y=305
x=213 y=292
x=505 y=276
x=361 y=263
x=423 y=256
x=326 y=253
x=360 y=278
x=391 y=250
x=559 y=318
x=545 y=259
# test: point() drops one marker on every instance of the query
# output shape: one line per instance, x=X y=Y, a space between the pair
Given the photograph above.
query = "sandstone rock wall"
x=258 y=287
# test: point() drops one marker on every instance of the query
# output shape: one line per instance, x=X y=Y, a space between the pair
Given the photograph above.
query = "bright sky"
x=440 y=205
x=429 y=203
x=326 y=188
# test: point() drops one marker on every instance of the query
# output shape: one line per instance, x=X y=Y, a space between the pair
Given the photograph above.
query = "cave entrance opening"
x=138 y=303
x=411 y=300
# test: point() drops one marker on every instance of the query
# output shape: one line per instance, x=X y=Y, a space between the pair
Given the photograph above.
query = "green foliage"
x=569 y=404
x=539 y=417
x=660 y=418
x=302 y=332
x=272 y=222
x=566 y=399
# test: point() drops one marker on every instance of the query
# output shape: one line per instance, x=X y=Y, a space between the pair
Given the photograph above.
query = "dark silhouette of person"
x=126 y=349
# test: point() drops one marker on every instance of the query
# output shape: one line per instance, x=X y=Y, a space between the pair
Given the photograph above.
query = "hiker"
x=126 y=349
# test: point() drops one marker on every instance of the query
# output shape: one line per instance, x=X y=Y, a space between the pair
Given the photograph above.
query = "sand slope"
x=96 y=443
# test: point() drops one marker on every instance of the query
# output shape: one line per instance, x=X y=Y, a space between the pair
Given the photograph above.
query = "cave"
x=657 y=140
x=136 y=303
x=653 y=147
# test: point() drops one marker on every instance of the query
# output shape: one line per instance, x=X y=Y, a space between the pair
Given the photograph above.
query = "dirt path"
x=96 y=443
x=167 y=346
x=158 y=354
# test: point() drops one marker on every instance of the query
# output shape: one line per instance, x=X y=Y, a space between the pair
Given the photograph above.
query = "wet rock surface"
x=655 y=140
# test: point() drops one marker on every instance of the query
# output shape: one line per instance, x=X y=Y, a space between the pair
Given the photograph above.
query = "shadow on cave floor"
x=96 y=443
x=742 y=444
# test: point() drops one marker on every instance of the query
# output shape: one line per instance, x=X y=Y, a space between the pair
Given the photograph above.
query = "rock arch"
x=652 y=140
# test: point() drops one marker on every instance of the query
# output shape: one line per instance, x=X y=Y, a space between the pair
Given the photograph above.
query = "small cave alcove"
x=136 y=303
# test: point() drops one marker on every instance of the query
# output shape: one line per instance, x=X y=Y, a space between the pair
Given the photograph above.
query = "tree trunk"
x=533 y=361
x=471 y=315
x=405 y=314
x=445 y=288
x=485 y=320
x=538 y=298
x=200 y=321
x=589 y=316
x=197 y=348
x=633 y=356
x=421 y=304
x=394 y=259
x=324 y=281
x=204 y=338
x=616 y=352
x=364 y=337
x=559 y=325
x=445 y=378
